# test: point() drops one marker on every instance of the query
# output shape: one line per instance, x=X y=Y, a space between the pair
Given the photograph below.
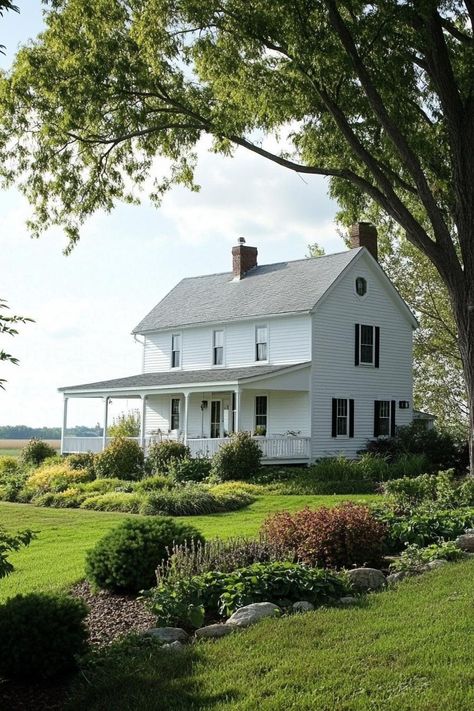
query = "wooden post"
x=64 y=427
x=106 y=422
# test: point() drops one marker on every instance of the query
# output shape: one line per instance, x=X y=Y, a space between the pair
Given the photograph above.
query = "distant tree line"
x=24 y=432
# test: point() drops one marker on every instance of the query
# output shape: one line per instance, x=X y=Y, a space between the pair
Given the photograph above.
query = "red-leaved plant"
x=341 y=537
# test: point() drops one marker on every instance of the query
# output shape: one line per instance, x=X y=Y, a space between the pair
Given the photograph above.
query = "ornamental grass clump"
x=340 y=537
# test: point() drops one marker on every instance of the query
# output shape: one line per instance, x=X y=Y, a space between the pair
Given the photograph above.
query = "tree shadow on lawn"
x=138 y=674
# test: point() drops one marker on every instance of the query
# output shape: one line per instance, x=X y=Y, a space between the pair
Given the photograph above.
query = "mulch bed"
x=110 y=617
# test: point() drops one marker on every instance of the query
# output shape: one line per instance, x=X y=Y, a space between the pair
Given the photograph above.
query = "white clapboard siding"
x=334 y=373
x=289 y=341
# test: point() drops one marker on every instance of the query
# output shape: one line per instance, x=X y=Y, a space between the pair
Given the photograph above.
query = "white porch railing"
x=273 y=448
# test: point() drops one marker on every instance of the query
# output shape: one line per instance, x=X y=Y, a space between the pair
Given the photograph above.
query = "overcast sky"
x=85 y=305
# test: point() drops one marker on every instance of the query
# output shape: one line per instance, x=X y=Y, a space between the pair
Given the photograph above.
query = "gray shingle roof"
x=286 y=287
x=181 y=377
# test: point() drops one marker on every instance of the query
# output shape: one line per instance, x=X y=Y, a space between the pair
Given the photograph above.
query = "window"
x=261 y=414
x=175 y=408
x=261 y=350
x=175 y=350
x=342 y=417
x=218 y=347
x=384 y=418
x=367 y=345
x=361 y=286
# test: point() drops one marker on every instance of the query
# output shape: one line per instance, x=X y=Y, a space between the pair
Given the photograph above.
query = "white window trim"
x=361 y=362
x=256 y=395
x=267 y=360
x=389 y=418
x=223 y=364
x=344 y=436
x=180 y=366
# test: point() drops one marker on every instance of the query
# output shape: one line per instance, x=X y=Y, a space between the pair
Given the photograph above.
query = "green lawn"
x=10 y=452
x=403 y=650
x=56 y=558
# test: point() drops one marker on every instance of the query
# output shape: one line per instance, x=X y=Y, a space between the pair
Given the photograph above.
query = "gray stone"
x=175 y=646
x=469 y=531
x=365 y=579
x=466 y=542
x=395 y=578
x=168 y=634
x=348 y=600
x=250 y=614
x=432 y=565
x=302 y=606
x=212 y=631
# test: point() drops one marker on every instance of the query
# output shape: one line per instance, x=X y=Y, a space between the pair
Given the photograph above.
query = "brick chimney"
x=364 y=234
x=243 y=258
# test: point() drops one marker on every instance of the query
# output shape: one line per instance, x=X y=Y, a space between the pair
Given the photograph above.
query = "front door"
x=215 y=418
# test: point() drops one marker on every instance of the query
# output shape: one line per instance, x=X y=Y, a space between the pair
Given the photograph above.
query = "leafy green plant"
x=441 y=488
x=157 y=482
x=55 y=477
x=238 y=458
x=217 y=594
x=162 y=454
x=127 y=557
x=127 y=424
x=188 y=469
x=82 y=460
x=36 y=451
x=41 y=635
x=122 y=458
x=10 y=542
x=414 y=558
x=70 y=498
x=114 y=501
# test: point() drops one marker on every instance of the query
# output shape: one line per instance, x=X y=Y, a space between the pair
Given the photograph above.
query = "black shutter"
x=334 y=417
x=356 y=342
x=351 y=418
x=377 y=346
x=376 y=418
x=393 y=409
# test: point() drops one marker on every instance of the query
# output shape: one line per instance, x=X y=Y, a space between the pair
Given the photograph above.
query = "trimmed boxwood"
x=127 y=557
x=122 y=459
x=41 y=635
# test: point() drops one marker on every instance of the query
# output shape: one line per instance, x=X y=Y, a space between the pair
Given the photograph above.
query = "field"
x=56 y=558
x=13 y=447
x=403 y=650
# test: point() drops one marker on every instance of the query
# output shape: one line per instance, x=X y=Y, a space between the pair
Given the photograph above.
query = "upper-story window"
x=261 y=343
x=367 y=345
x=176 y=350
x=361 y=286
x=217 y=347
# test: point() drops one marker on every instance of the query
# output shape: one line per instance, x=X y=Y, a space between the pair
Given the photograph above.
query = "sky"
x=85 y=305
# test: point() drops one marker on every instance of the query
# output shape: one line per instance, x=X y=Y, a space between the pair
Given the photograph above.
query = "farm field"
x=55 y=559
x=13 y=447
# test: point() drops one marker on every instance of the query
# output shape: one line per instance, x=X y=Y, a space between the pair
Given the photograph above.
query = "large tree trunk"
x=463 y=307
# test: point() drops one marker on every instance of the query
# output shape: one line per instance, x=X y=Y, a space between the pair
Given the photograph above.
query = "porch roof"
x=182 y=378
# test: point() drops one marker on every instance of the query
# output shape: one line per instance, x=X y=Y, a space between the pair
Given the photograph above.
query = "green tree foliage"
x=127 y=424
x=375 y=96
x=314 y=250
x=10 y=542
x=8 y=327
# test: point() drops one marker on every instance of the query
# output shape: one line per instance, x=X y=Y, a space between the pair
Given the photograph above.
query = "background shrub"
x=157 y=482
x=343 y=536
x=441 y=489
x=413 y=559
x=188 y=469
x=238 y=458
x=81 y=460
x=55 y=477
x=422 y=526
x=127 y=557
x=192 y=500
x=122 y=459
x=162 y=454
x=114 y=501
x=70 y=498
x=36 y=451
x=41 y=635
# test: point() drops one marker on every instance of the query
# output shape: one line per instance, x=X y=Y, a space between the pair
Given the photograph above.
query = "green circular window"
x=361 y=286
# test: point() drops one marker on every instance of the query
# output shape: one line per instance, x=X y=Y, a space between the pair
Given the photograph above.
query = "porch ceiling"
x=150 y=382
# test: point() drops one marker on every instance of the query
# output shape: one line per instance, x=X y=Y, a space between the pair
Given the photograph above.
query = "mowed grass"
x=9 y=452
x=55 y=559
x=403 y=650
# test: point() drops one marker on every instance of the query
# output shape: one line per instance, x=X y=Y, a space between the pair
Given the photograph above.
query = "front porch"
x=270 y=402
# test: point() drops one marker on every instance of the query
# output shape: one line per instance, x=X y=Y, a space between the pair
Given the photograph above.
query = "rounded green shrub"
x=189 y=469
x=36 y=451
x=239 y=458
x=81 y=460
x=127 y=557
x=122 y=459
x=41 y=635
x=162 y=454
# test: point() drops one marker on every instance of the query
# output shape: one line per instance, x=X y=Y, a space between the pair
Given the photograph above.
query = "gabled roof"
x=184 y=377
x=270 y=289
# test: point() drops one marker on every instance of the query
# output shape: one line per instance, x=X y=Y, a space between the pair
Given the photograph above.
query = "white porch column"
x=143 y=423
x=236 y=422
x=186 y=412
x=64 y=427
x=106 y=422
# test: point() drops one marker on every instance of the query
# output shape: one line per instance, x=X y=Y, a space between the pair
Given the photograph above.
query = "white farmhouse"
x=313 y=356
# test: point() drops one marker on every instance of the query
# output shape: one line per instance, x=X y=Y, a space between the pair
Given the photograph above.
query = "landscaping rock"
x=168 y=634
x=213 y=631
x=469 y=531
x=395 y=578
x=365 y=579
x=302 y=606
x=250 y=614
x=348 y=600
x=432 y=565
x=466 y=542
x=175 y=646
